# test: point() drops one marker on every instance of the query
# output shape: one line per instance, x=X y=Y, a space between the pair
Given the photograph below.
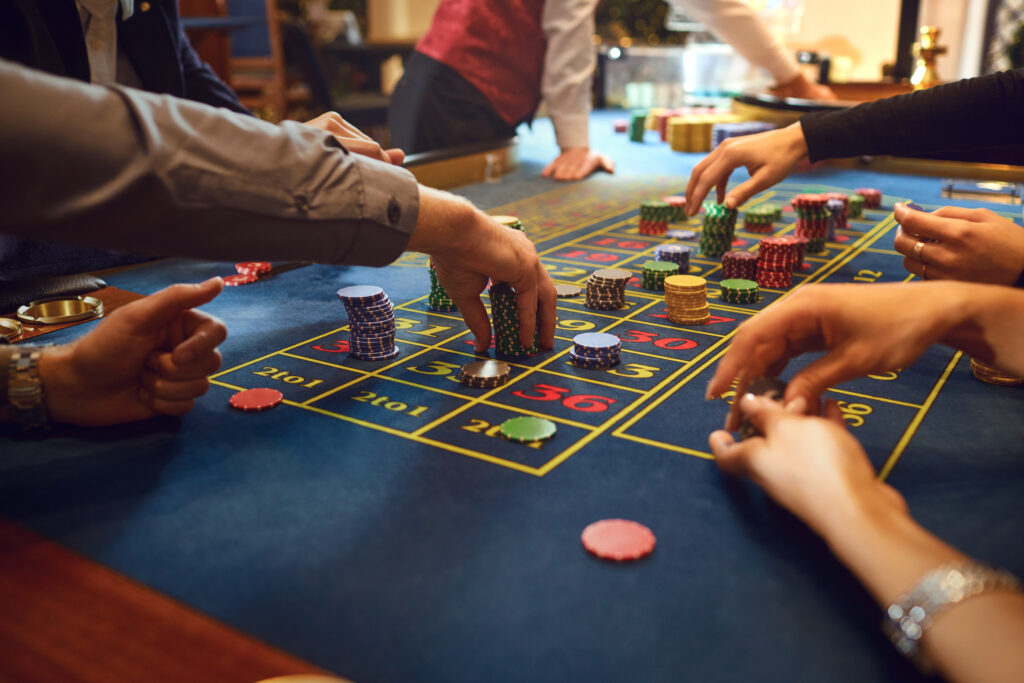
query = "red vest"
x=497 y=45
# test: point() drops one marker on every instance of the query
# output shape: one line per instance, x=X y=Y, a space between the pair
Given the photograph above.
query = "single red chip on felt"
x=253 y=267
x=235 y=280
x=255 y=400
x=618 y=539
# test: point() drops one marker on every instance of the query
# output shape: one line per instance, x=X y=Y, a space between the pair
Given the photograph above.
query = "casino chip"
x=567 y=291
x=371 y=322
x=618 y=539
x=256 y=400
x=485 y=374
x=256 y=268
x=681 y=234
x=595 y=350
x=528 y=429
x=772 y=387
x=239 y=279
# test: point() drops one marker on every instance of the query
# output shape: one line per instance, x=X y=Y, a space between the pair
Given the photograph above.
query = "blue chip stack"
x=595 y=350
x=371 y=322
x=676 y=253
x=837 y=211
x=721 y=131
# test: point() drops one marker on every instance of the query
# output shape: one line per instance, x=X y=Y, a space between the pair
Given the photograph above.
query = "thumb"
x=163 y=308
x=762 y=412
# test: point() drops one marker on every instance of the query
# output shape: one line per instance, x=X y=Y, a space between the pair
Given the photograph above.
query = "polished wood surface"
x=66 y=618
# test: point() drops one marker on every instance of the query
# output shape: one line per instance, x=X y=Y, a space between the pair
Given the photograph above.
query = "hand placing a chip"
x=468 y=247
x=866 y=329
x=576 y=163
x=151 y=357
x=974 y=245
x=355 y=140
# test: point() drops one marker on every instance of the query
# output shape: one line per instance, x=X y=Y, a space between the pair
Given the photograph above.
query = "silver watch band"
x=25 y=388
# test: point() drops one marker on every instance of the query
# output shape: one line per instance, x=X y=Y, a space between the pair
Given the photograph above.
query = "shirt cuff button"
x=394 y=211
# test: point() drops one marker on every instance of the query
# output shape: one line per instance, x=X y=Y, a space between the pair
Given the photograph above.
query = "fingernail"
x=748 y=400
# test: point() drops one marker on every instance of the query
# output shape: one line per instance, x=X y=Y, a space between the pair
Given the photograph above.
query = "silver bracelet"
x=909 y=617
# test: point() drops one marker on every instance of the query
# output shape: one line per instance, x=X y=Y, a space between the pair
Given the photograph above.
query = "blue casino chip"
x=361 y=294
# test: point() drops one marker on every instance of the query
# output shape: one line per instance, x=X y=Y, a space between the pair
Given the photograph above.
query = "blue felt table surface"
x=387 y=558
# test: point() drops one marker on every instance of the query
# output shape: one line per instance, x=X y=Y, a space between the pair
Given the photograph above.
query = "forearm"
x=153 y=174
x=989 y=322
x=569 y=63
x=976 y=640
x=972 y=114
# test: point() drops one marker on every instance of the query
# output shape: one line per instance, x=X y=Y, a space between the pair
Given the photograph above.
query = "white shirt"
x=107 y=64
x=570 y=59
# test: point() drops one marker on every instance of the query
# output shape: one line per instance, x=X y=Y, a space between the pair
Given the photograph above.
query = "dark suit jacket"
x=47 y=35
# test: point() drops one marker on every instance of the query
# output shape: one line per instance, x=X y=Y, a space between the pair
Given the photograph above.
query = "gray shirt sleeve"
x=116 y=167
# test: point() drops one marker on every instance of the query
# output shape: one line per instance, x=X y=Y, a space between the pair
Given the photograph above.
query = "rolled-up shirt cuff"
x=390 y=205
x=571 y=130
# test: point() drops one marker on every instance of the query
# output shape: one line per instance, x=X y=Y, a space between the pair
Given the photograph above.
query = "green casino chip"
x=528 y=429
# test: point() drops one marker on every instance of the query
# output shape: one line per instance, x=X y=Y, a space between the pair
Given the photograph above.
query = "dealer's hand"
x=355 y=140
x=769 y=157
x=577 y=163
x=973 y=245
x=467 y=248
x=150 y=357
x=812 y=466
x=804 y=88
x=862 y=328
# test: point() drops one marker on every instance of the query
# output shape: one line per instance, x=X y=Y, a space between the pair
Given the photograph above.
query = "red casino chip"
x=256 y=268
x=255 y=400
x=236 y=280
x=618 y=539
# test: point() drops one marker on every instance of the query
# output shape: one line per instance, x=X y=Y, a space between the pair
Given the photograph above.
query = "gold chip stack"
x=687 y=299
x=993 y=375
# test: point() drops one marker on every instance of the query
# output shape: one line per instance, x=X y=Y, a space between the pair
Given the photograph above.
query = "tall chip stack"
x=686 y=297
x=678 y=212
x=836 y=213
x=801 y=251
x=676 y=253
x=812 y=219
x=505 y=320
x=653 y=275
x=637 y=126
x=759 y=219
x=844 y=211
x=437 y=298
x=606 y=289
x=872 y=197
x=776 y=259
x=856 y=206
x=371 y=322
x=740 y=265
x=654 y=217
x=719 y=228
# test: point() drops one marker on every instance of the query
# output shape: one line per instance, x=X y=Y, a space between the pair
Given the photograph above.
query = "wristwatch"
x=25 y=389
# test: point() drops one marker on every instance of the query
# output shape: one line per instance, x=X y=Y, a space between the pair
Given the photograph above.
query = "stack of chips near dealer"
x=606 y=289
x=686 y=297
x=595 y=350
x=371 y=322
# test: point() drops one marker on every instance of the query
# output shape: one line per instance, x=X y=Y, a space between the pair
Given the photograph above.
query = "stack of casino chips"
x=719 y=229
x=485 y=374
x=739 y=265
x=872 y=196
x=654 y=217
x=856 y=206
x=993 y=375
x=722 y=131
x=801 y=250
x=776 y=210
x=371 y=322
x=740 y=291
x=759 y=218
x=812 y=220
x=676 y=253
x=687 y=299
x=505 y=320
x=620 y=125
x=595 y=350
x=437 y=298
x=606 y=289
x=677 y=214
x=836 y=213
x=839 y=216
x=654 y=273
x=776 y=260
x=637 y=126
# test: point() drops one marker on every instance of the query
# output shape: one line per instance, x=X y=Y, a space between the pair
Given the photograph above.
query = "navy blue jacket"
x=47 y=35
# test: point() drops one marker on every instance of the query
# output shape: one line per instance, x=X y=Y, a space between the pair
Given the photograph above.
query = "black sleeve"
x=976 y=119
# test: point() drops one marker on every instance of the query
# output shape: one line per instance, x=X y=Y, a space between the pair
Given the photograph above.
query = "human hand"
x=974 y=245
x=150 y=357
x=355 y=140
x=468 y=247
x=810 y=465
x=804 y=88
x=863 y=329
x=577 y=163
x=769 y=157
